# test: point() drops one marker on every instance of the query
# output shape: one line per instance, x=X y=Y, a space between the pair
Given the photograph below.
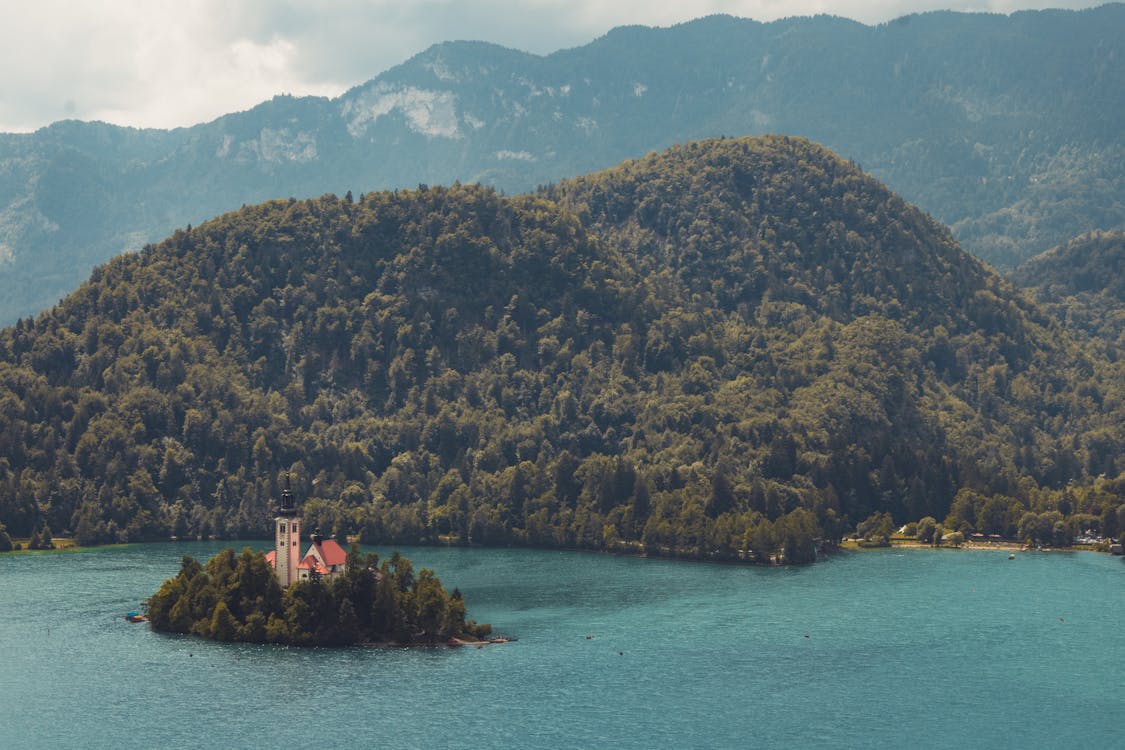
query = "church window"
x=281 y=528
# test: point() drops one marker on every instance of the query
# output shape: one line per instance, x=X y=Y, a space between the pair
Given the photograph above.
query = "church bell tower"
x=287 y=536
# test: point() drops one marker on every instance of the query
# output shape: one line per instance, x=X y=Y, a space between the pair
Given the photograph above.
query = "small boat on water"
x=136 y=617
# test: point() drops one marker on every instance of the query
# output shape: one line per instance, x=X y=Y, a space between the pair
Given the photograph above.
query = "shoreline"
x=635 y=551
x=1004 y=546
x=447 y=643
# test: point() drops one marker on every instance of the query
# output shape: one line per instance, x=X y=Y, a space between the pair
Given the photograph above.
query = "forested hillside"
x=741 y=344
x=1083 y=284
x=1006 y=128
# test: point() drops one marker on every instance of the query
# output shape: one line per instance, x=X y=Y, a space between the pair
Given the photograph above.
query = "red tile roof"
x=311 y=563
x=331 y=552
x=328 y=550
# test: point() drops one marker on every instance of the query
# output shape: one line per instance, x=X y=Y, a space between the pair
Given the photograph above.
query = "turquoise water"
x=879 y=649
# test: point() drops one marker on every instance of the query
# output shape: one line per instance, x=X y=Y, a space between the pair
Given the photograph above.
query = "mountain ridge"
x=1002 y=126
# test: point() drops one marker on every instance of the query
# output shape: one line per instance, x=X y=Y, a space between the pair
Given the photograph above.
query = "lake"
x=875 y=649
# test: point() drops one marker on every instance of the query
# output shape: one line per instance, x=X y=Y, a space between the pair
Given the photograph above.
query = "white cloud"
x=164 y=63
x=154 y=63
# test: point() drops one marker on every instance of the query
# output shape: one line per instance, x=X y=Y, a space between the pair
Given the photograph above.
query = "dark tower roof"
x=287 y=510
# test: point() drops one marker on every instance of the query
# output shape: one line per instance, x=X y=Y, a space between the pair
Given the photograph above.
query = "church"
x=324 y=558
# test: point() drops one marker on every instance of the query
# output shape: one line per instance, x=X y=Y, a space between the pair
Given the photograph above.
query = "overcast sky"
x=165 y=63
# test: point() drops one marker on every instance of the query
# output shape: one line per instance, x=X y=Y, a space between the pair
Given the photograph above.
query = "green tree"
x=761 y=541
x=347 y=630
x=223 y=626
x=161 y=604
x=277 y=630
x=926 y=528
x=431 y=604
x=877 y=528
x=797 y=533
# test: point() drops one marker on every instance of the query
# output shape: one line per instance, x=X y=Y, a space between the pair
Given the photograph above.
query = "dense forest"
x=237 y=598
x=731 y=349
x=1083 y=284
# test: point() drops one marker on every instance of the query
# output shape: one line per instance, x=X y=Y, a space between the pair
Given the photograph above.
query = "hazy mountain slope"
x=1005 y=127
x=1083 y=284
x=734 y=344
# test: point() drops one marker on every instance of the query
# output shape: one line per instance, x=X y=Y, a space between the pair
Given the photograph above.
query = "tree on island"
x=238 y=598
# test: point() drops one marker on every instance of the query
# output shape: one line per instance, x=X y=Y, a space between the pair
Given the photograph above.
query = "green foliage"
x=1043 y=528
x=41 y=539
x=237 y=598
x=1042 y=516
x=223 y=626
x=1082 y=283
x=926 y=530
x=876 y=529
x=735 y=349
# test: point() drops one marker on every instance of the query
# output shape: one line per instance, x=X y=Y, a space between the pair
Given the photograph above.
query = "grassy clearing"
x=60 y=543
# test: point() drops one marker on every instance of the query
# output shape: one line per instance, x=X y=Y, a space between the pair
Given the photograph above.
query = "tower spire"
x=287 y=538
x=287 y=508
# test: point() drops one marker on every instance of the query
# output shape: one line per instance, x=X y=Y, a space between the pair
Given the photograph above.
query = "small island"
x=237 y=597
x=326 y=597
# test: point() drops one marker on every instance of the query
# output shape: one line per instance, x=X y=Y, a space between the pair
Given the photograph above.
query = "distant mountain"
x=1083 y=284
x=1007 y=128
x=739 y=344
